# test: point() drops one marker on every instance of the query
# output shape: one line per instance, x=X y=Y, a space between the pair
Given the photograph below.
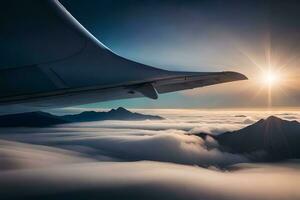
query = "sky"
x=252 y=37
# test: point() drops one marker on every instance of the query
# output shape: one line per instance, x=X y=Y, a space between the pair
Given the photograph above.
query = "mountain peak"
x=114 y=114
x=276 y=122
x=121 y=109
x=277 y=138
x=273 y=118
x=40 y=119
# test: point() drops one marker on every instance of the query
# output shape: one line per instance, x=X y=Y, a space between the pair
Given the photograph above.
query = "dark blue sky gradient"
x=199 y=36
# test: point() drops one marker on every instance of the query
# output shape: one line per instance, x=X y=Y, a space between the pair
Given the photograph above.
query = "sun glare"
x=272 y=81
x=271 y=78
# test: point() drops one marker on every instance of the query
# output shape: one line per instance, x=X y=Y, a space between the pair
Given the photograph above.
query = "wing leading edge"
x=55 y=62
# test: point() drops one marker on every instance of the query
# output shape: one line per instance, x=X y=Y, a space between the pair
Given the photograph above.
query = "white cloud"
x=15 y=155
x=167 y=146
x=153 y=180
x=216 y=129
x=90 y=160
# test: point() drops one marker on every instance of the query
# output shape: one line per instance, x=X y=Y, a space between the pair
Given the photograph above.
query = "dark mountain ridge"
x=43 y=119
x=30 y=119
x=114 y=114
x=267 y=139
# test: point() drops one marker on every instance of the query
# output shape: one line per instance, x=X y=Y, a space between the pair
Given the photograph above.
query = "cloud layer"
x=139 y=160
x=152 y=180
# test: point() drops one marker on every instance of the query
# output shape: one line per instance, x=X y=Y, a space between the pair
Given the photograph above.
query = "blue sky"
x=202 y=36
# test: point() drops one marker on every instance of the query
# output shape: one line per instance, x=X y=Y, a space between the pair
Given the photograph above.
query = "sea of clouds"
x=141 y=160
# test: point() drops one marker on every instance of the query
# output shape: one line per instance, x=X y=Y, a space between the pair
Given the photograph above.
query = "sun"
x=271 y=78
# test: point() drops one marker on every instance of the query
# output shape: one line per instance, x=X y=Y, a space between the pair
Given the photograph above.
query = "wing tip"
x=236 y=75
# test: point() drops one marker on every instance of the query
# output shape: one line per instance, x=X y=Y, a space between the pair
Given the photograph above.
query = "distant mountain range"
x=267 y=140
x=114 y=114
x=42 y=119
x=31 y=119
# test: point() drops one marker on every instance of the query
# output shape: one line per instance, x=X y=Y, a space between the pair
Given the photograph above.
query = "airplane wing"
x=49 y=60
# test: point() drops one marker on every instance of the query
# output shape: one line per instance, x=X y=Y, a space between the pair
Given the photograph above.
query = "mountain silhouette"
x=272 y=139
x=114 y=114
x=43 y=119
x=30 y=119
